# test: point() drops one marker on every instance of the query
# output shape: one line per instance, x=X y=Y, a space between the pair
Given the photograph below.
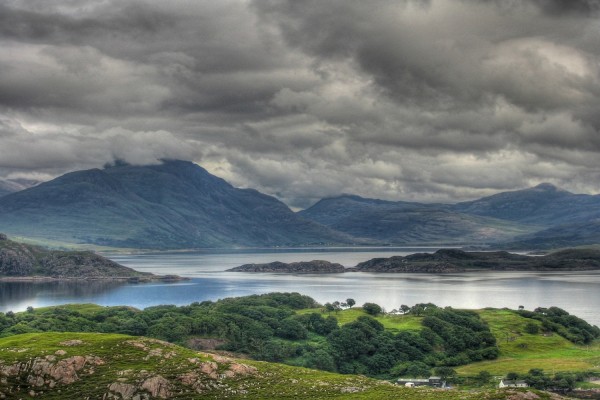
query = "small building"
x=508 y=383
x=432 y=381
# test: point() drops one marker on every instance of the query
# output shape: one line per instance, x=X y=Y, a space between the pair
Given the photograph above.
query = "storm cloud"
x=404 y=100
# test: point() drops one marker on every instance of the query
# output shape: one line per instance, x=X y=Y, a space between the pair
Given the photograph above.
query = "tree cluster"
x=557 y=320
x=268 y=327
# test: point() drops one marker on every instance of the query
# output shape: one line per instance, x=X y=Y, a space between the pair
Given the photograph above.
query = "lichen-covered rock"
x=125 y=390
x=158 y=387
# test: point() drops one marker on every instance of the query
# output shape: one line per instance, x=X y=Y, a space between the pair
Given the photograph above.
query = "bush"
x=532 y=328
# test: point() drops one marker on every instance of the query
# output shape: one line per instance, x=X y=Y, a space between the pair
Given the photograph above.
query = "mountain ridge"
x=176 y=204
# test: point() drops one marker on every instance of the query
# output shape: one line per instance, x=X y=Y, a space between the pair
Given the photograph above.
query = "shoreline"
x=129 y=279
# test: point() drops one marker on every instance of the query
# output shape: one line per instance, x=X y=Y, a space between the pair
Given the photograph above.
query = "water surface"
x=577 y=292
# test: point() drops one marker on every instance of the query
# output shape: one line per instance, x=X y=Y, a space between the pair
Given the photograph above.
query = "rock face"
x=47 y=371
x=18 y=260
x=303 y=267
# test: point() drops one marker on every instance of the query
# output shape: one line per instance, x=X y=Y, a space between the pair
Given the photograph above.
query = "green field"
x=519 y=351
x=394 y=323
x=127 y=360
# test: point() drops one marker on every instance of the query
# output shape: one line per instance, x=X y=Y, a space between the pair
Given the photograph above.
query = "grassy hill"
x=293 y=329
x=91 y=365
x=519 y=351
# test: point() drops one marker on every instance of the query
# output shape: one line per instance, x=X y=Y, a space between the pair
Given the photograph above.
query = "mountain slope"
x=409 y=223
x=14 y=185
x=176 y=204
x=544 y=204
x=566 y=235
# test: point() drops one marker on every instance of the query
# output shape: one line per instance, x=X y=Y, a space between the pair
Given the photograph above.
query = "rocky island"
x=303 y=267
x=445 y=261
x=19 y=261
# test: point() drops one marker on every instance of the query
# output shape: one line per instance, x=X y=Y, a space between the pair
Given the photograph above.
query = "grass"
x=129 y=364
x=520 y=351
x=394 y=323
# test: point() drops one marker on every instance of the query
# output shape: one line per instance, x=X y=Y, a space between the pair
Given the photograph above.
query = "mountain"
x=409 y=223
x=544 y=204
x=173 y=205
x=14 y=185
x=579 y=233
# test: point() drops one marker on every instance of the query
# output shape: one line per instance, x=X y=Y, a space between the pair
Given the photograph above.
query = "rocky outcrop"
x=303 y=267
x=50 y=371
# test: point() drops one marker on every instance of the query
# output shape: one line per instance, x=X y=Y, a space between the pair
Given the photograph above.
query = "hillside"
x=173 y=205
x=544 y=205
x=110 y=366
x=14 y=185
x=565 y=235
x=410 y=223
x=22 y=261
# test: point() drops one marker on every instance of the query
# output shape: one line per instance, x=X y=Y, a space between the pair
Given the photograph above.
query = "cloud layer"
x=413 y=100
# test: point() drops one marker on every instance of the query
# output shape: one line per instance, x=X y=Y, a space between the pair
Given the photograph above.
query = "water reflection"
x=20 y=295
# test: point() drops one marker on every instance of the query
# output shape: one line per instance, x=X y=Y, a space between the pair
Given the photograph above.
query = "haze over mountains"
x=14 y=185
x=178 y=204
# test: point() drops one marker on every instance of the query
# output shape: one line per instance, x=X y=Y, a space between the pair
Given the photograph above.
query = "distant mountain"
x=565 y=235
x=409 y=223
x=544 y=205
x=14 y=185
x=176 y=204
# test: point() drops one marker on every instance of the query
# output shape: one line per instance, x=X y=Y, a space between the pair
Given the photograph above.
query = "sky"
x=303 y=99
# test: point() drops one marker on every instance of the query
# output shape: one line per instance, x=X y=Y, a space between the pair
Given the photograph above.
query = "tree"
x=484 y=377
x=404 y=308
x=512 y=376
x=336 y=306
x=29 y=309
x=521 y=308
x=329 y=307
x=372 y=308
x=444 y=372
x=350 y=302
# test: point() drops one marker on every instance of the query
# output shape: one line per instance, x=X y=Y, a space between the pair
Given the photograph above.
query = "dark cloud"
x=418 y=100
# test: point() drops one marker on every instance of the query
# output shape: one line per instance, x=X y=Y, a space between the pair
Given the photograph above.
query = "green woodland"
x=293 y=329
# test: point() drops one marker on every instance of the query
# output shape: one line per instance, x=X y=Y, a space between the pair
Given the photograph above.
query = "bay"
x=576 y=292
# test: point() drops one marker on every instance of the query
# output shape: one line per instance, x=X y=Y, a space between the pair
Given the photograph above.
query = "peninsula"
x=23 y=262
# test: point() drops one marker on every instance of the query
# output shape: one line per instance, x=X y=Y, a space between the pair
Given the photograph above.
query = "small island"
x=303 y=267
x=23 y=262
x=444 y=261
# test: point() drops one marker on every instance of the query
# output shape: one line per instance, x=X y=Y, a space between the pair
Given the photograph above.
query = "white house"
x=432 y=381
x=508 y=383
